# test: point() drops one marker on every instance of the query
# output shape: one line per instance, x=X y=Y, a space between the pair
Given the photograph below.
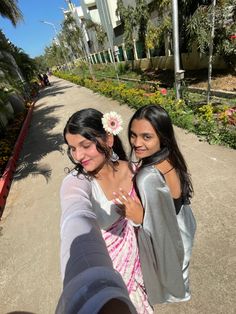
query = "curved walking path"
x=29 y=230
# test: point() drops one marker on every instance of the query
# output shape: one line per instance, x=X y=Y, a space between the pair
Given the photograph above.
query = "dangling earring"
x=114 y=157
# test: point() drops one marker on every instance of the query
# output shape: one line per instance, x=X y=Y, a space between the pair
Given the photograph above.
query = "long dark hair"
x=88 y=123
x=161 y=122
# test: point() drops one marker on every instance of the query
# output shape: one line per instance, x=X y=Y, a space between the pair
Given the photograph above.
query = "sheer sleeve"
x=89 y=280
x=77 y=221
x=75 y=196
x=160 y=243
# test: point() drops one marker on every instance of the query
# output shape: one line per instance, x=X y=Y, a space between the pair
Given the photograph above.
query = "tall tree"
x=98 y=29
x=137 y=22
x=127 y=17
x=159 y=34
x=72 y=34
x=199 y=25
x=9 y=9
x=24 y=62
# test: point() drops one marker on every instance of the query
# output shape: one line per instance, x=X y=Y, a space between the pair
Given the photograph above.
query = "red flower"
x=163 y=91
x=231 y=115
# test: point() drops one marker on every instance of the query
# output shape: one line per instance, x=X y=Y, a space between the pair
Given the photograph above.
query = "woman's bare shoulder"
x=164 y=167
x=171 y=177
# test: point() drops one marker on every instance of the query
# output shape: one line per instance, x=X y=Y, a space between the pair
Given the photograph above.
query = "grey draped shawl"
x=165 y=240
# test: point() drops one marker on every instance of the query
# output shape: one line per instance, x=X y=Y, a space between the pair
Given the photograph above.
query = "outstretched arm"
x=91 y=285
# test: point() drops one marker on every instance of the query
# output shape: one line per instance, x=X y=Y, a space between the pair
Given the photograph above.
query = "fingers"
x=129 y=207
x=123 y=193
x=116 y=200
x=122 y=196
x=121 y=200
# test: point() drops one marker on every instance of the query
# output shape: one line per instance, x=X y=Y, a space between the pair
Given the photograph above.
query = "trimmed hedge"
x=205 y=121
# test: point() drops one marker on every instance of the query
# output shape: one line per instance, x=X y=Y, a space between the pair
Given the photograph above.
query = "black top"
x=157 y=158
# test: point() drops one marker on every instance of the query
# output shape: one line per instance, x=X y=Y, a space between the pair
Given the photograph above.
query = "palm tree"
x=26 y=65
x=9 y=9
x=52 y=56
x=127 y=17
x=99 y=31
x=72 y=34
x=199 y=26
x=70 y=27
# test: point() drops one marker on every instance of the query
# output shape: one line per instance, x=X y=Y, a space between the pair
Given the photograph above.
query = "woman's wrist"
x=135 y=224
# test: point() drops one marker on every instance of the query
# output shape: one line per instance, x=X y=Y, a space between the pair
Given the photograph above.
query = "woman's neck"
x=107 y=171
x=156 y=158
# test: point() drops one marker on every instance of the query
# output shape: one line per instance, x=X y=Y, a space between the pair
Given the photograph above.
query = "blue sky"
x=31 y=35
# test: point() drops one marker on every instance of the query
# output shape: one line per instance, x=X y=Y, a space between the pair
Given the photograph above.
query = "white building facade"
x=103 y=12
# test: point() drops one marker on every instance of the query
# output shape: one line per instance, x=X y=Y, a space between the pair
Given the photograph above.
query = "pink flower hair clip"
x=112 y=122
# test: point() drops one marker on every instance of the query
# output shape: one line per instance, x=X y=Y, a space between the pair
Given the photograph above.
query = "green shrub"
x=207 y=121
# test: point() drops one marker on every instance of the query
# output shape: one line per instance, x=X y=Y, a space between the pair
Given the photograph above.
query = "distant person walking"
x=46 y=80
x=41 y=80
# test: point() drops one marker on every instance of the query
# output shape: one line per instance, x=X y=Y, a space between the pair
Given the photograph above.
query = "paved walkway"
x=29 y=230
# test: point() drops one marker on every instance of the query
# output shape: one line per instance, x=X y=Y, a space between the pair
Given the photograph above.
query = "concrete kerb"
x=6 y=179
x=216 y=93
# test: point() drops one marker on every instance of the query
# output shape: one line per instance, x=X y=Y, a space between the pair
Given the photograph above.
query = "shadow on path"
x=53 y=90
x=40 y=142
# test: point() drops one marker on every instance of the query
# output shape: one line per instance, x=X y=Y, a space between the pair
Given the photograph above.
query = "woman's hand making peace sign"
x=130 y=207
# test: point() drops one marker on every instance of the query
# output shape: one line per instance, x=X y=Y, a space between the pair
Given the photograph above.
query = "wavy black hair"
x=161 y=122
x=88 y=123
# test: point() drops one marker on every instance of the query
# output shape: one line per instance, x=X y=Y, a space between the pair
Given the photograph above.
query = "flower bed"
x=10 y=145
x=8 y=140
x=212 y=123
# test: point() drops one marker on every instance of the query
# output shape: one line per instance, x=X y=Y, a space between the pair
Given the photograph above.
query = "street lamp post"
x=178 y=72
x=211 y=51
x=57 y=37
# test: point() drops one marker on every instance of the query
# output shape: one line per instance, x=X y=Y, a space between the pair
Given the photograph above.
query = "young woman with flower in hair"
x=101 y=167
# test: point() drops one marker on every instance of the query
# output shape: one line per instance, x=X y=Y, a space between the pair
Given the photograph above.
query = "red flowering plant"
x=231 y=115
x=8 y=139
x=163 y=91
x=228 y=116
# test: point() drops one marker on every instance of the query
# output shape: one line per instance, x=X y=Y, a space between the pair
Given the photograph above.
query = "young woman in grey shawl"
x=166 y=225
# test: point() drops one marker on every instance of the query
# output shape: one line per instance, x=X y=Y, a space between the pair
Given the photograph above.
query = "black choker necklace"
x=156 y=158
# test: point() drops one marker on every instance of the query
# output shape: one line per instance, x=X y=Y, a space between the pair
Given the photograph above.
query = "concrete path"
x=29 y=231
